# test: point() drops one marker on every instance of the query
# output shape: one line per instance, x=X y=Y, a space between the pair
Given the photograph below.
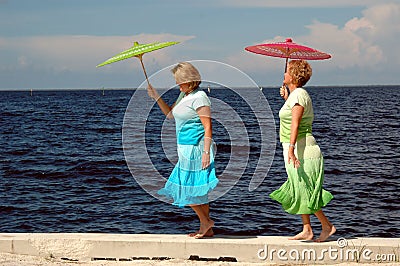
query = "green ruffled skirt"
x=302 y=193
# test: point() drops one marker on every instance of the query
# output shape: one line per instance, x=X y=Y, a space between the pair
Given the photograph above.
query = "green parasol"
x=138 y=50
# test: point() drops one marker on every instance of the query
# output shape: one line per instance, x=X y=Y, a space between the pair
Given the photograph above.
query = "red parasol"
x=288 y=49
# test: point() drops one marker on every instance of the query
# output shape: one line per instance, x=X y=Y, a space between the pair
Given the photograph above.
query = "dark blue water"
x=63 y=167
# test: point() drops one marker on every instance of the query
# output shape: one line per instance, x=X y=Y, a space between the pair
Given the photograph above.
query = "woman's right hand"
x=283 y=92
x=152 y=92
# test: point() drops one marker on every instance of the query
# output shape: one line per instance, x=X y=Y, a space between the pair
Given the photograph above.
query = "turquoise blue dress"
x=188 y=183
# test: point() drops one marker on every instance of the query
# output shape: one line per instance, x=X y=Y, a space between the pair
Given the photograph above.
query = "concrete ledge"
x=270 y=249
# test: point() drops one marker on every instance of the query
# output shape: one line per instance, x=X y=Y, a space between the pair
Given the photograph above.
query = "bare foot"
x=325 y=234
x=210 y=233
x=193 y=234
x=204 y=229
x=304 y=235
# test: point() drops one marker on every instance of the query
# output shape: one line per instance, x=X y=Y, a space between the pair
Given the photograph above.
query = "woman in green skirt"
x=302 y=193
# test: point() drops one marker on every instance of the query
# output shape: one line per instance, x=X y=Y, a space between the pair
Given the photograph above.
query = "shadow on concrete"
x=332 y=239
x=231 y=237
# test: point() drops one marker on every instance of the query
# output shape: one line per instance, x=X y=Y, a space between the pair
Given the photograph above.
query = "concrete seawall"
x=251 y=249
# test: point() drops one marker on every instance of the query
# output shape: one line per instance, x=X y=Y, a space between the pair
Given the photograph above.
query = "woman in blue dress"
x=193 y=177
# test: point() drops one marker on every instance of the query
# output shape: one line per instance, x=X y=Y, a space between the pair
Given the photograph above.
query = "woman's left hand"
x=293 y=158
x=205 y=161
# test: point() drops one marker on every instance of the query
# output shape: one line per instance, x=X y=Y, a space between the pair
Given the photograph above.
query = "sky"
x=56 y=44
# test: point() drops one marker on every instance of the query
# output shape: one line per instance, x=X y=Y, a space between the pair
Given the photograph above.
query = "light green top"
x=298 y=96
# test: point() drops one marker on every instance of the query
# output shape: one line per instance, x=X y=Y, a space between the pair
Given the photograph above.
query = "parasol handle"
x=147 y=79
x=286 y=64
x=283 y=84
x=144 y=70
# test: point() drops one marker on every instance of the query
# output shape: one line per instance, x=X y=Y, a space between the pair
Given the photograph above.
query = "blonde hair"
x=185 y=72
x=300 y=71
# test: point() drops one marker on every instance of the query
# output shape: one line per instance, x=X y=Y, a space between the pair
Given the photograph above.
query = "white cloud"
x=348 y=49
x=366 y=43
x=81 y=52
x=356 y=24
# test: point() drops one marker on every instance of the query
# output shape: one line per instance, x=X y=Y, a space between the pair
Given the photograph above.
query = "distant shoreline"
x=129 y=89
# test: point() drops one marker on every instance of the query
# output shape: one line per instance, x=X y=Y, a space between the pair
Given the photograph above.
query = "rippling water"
x=63 y=167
